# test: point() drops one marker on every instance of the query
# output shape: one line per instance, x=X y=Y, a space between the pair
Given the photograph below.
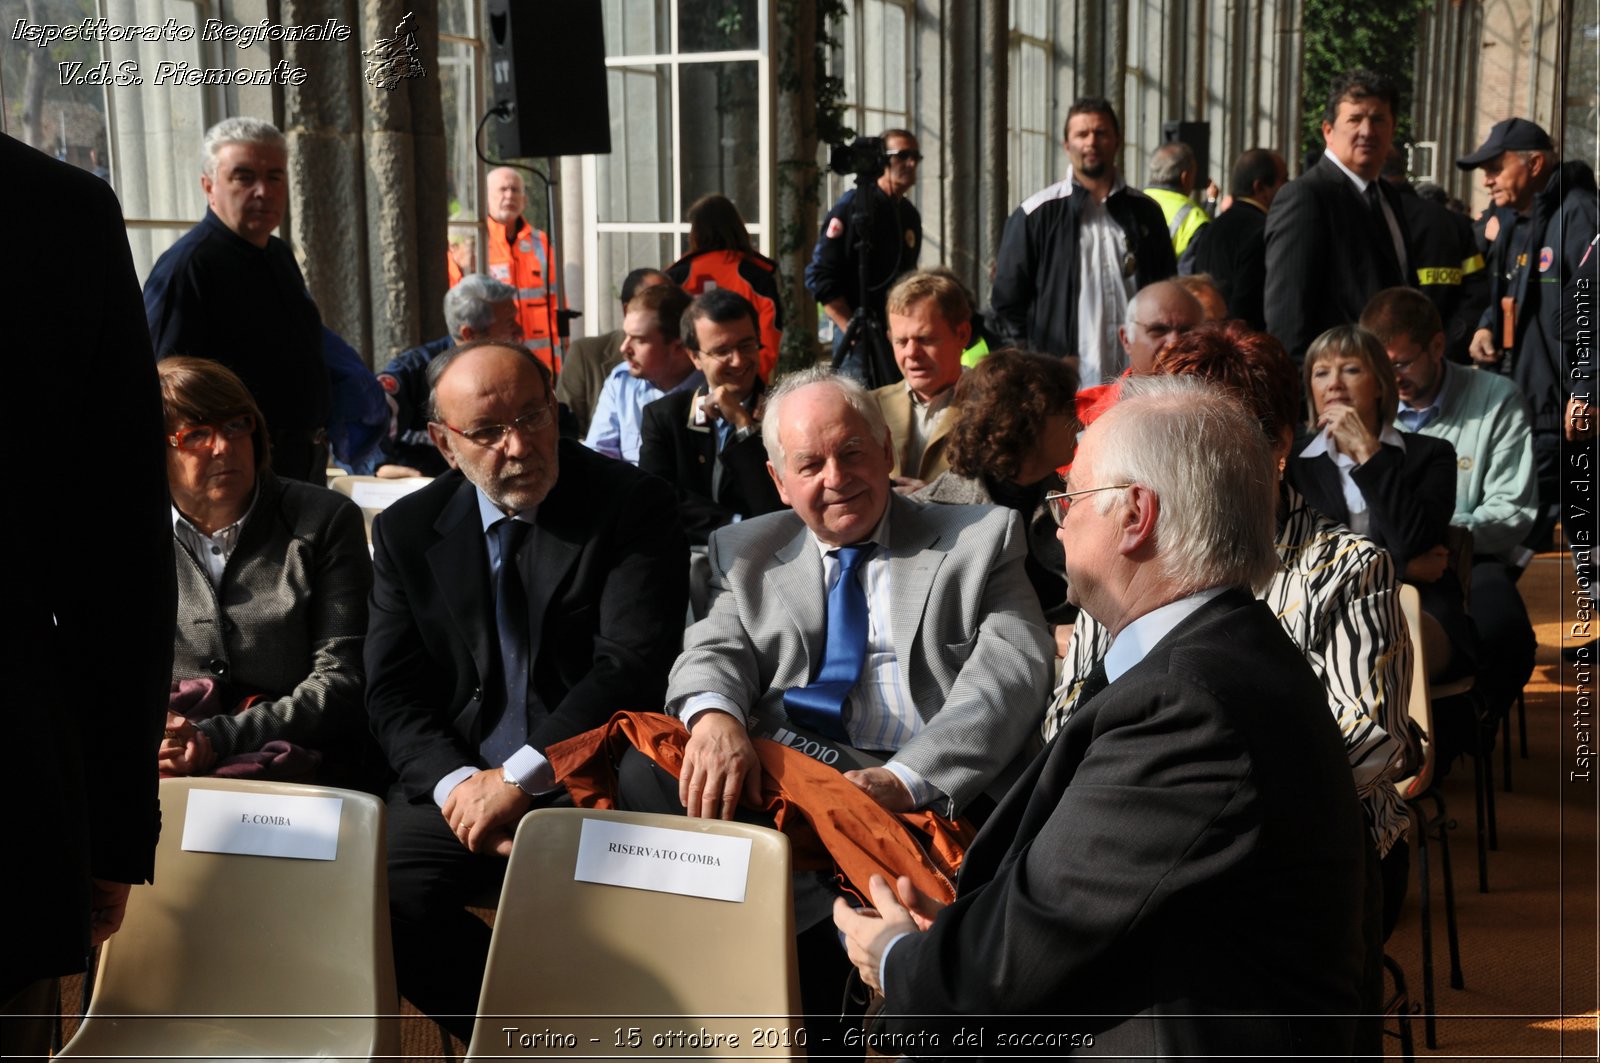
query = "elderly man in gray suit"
x=892 y=638
x=932 y=656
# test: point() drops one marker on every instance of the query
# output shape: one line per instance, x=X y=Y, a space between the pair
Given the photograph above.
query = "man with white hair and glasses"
x=1177 y=869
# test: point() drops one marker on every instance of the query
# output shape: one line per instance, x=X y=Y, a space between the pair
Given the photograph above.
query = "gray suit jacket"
x=287 y=622
x=969 y=638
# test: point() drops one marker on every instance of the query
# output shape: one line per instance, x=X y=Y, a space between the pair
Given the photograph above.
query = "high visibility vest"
x=753 y=276
x=526 y=265
x=1183 y=214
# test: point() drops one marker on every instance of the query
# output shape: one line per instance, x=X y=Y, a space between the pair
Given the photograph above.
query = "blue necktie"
x=510 y=730
x=820 y=704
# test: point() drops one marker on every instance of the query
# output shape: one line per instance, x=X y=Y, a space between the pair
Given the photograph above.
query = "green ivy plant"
x=1340 y=35
x=799 y=180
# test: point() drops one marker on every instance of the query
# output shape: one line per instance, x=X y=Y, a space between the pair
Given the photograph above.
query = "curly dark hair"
x=1001 y=405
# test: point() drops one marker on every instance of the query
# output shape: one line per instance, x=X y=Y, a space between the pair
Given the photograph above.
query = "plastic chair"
x=1423 y=785
x=374 y=494
x=626 y=972
x=251 y=957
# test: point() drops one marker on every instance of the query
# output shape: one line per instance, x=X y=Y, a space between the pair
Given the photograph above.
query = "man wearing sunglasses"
x=519 y=600
x=834 y=276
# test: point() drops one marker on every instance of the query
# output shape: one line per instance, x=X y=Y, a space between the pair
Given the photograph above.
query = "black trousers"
x=440 y=948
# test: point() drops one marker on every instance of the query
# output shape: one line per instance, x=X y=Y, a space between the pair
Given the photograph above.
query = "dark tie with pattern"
x=1095 y=682
x=820 y=704
x=510 y=730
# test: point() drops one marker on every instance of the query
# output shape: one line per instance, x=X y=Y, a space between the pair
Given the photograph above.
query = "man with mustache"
x=230 y=269
x=1336 y=235
x=1073 y=254
x=518 y=600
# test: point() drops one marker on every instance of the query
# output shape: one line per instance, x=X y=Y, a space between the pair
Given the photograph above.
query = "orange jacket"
x=526 y=265
x=830 y=821
x=753 y=276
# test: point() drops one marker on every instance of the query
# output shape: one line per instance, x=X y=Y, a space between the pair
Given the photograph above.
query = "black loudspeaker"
x=547 y=61
x=1198 y=136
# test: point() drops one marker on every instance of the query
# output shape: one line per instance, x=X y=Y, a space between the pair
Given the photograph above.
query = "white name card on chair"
x=246 y=824
x=688 y=862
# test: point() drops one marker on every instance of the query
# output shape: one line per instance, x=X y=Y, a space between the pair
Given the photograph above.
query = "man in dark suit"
x=95 y=638
x=1336 y=236
x=1181 y=869
x=1232 y=250
x=707 y=442
x=518 y=600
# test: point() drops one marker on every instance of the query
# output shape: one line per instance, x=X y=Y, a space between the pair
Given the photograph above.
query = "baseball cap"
x=1512 y=134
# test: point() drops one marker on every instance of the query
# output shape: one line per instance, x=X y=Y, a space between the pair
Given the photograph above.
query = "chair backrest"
x=374 y=494
x=657 y=973
x=1419 y=707
x=233 y=955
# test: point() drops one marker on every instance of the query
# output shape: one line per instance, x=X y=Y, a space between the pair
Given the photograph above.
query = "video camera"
x=864 y=157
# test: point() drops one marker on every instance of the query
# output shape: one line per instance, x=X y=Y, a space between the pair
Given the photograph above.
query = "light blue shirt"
x=619 y=413
x=1416 y=418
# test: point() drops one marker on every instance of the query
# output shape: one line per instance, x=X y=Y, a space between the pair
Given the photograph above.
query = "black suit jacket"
x=686 y=456
x=1411 y=496
x=1410 y=492
x=606 y=574
x=90 y=650
x=1326 y=256
x=1189 y=847
x=1233 y=250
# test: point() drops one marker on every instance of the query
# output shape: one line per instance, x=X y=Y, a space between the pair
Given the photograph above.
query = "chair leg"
x=1425 y=907
x=1399 y=1005
x=1505 y=750
x=1483 y=831
x=1487 y=756
x=1522 y=724
x=1452 y=938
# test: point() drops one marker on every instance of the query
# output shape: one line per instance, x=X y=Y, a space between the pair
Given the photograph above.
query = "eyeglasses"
x=202 y=437
x=746 y=348
x=494 y=435
x=1061 y=501
x=908 y=154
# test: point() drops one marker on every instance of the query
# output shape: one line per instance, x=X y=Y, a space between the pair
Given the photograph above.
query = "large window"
x=873 y=61
x=143 y=139
x=688 y=88
x=1033 y=147
x=461 y=51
